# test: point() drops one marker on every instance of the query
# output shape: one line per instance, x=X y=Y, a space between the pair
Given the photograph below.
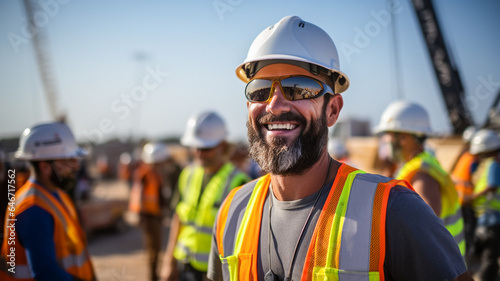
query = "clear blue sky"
x=94 y=47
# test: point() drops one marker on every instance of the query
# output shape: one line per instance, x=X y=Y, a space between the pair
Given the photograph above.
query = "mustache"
x=284 y=117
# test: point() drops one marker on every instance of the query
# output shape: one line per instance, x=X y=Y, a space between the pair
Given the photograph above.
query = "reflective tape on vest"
x=352 y=248
x=357 y=228
x=43 y=197
x=200 y=257
x=74 y=260
x=23 y=272
x=202 y=229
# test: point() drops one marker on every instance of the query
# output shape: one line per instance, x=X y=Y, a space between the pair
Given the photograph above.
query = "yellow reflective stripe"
x=338 y=221
x=334 y=274
x=232 y=262
x=246 y=217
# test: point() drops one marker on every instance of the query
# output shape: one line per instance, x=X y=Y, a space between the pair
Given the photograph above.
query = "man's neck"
x=412 y=153
x=212 y=169
x=46 y=183
x=288 y=188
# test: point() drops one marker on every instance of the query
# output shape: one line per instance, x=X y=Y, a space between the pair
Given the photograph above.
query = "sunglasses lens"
x=294 y=88
x=299 y=88
x=258 y=90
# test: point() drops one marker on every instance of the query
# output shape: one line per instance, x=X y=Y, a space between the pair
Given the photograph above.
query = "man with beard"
x=311 y=217
x=405 y=127
x=45 y=240
x=202 y=187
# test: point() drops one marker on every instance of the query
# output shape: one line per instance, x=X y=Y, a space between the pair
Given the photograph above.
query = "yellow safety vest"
x=451 y=213
x=482 y=203
x=197 y=211
x=70 y=242
x=363 y=260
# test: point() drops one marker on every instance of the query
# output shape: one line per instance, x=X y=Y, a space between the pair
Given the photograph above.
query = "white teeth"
x=281 y=126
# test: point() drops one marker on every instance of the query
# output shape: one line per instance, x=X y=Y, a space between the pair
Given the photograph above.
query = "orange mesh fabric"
x=376 y=227
x=319 y=244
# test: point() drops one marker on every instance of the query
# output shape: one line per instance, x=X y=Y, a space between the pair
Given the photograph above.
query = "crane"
x=44 y=63
x=444 y=67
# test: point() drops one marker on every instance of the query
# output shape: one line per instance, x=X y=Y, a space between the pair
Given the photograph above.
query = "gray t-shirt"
x=418 y=246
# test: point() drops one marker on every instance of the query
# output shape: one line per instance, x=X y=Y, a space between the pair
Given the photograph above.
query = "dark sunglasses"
x=293 y=88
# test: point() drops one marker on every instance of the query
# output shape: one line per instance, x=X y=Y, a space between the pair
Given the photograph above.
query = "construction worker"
x=45 y=240
x=124 y=168
x=461 y=175
x=146 y=199
x=406 y=126
x=311 y=217
x=485 y=144
x=202 y=188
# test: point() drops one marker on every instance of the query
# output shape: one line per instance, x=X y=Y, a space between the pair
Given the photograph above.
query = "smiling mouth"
x=281 y=126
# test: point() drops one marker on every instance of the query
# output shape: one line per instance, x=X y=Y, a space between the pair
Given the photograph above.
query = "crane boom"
x=43 y=60
x=444 y=67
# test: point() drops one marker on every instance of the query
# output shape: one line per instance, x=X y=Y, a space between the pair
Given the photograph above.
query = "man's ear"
x=333 y=109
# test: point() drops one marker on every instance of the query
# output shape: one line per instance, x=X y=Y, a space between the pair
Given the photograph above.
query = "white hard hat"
x=205 y=130
x=294 y=41
x=154 y=153
x=469 y=133
x=48 y=141
x=485 y=140
x=336 y=148
x=125 y=158
x=405 y=117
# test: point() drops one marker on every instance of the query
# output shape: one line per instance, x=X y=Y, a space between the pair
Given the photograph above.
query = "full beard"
x=67 y=183
x=279 y=158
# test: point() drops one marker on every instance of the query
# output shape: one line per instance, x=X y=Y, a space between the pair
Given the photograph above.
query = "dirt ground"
x=119 y=256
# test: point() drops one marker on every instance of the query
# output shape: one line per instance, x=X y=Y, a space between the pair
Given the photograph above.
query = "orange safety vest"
x=238 y=244
x=462 y=176
x=69 y=239
x=146 y=192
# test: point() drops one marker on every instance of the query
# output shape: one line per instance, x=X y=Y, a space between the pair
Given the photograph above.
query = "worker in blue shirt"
x=486 y=201
x=46 y=241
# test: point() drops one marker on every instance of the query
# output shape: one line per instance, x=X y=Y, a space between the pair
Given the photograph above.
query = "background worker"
x=311 y=217
x=461 y=175
x=49 y=242
x=406 y=126
x=485 y=144
x=202 y=187
x=146 y=199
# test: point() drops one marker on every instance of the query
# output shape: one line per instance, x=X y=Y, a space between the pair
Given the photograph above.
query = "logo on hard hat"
x=54 y=141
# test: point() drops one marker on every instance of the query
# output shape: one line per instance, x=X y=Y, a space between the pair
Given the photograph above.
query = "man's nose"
x=278 y=103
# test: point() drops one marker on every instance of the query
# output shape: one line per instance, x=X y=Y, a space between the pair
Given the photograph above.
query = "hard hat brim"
x=379 y=130
x=196 y=143
x=241 y=74
x=78 y=154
